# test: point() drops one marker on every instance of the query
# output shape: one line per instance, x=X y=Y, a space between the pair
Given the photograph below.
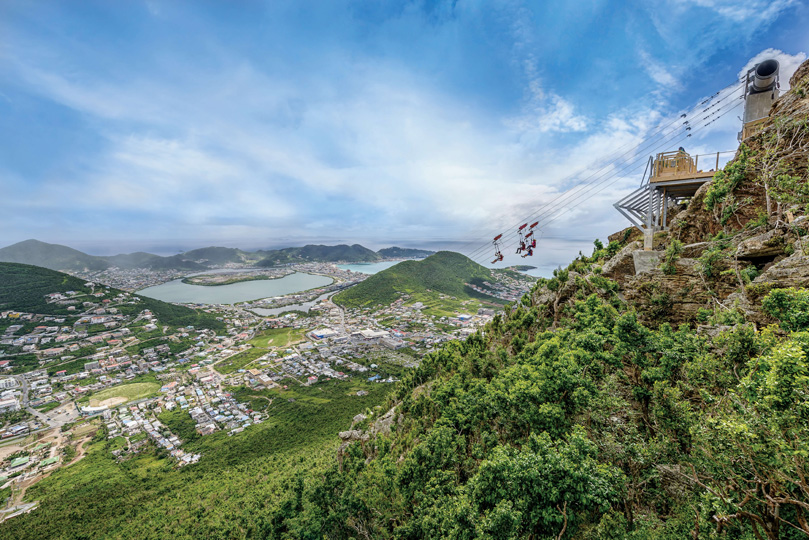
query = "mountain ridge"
x=60 y=257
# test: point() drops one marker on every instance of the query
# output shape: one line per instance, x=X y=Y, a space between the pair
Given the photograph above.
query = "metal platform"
x=674 y=178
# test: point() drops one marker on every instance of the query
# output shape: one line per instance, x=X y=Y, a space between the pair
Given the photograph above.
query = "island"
x=522 y=267
x=213 y=280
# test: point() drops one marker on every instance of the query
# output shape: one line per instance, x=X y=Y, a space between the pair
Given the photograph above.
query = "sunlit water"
x=177 y=291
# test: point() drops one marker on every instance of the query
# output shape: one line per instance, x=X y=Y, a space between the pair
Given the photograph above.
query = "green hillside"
x=53 y=256
x=58 y=257
x=319 y=253
x=223 y=255
x=403 y=253
x=243 y=487
x=445 y=272
x=23 y=288
x=155 y=262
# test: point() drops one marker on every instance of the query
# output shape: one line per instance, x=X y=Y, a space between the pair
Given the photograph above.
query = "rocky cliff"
x=741 y=234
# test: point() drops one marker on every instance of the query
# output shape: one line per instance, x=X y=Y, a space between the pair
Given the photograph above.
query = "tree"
x=751 y=457
x=544 y=490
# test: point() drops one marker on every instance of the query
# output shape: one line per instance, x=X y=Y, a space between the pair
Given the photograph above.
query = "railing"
x=681 y=165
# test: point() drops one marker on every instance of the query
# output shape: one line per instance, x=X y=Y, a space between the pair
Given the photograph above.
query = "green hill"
x=403 y=253
x=319 y=253
x=53 y=256
x=23 y=288
x=445 y=272
x=223 y=255
x=154 y=262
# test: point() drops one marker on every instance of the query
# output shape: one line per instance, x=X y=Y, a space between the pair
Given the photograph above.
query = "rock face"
x=678 y=297
x=768 y=244
x=692 y=251
x=622 y=263
x=790 y=272
x=630 y=234
x=382 y=426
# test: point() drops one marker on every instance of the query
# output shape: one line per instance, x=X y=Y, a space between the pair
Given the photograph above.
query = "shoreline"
x=188 y=279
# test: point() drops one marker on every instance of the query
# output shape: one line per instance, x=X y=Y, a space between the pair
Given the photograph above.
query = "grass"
x=277 y=337
x=131 y=392
x=48 y=406
x=436 y=306
x=239 y=361
x=118 y=443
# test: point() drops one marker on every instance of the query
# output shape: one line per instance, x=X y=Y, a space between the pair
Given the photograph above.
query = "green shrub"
x=790 y=307
x=749 y=273
x=673 y=251
x=720 y=190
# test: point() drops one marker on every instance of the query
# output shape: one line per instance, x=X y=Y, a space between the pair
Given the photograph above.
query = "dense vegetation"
x=445 y=272
x=243 y=487
x=601 y=428
x=23 y=288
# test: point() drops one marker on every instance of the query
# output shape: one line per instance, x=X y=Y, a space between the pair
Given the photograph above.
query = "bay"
x=179 y=292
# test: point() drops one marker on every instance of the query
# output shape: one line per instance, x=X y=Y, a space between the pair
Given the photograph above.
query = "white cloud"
x=662 y=75
x=788 y=64
x=749 y=12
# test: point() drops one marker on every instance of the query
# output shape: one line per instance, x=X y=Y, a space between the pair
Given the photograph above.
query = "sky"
x=166 y=126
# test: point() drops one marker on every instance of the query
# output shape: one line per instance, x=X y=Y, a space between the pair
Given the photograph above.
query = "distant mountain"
x=53 y=256
x=223 y=255
x=154 y=262
x=58 y=257
x=403 y=253
x=318 y=253
x=445 y=272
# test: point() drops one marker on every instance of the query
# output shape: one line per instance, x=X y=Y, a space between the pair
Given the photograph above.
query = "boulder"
x=646 y=261
x=353 y=435
x=622 y=263
x=382 y=425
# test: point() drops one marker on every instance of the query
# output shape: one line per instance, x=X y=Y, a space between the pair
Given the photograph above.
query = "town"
x=107 y=367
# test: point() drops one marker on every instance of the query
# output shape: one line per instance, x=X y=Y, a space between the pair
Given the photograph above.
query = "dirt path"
x=81 y=449
x=18 y=491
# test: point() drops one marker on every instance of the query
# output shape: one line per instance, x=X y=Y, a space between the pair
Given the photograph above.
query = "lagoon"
x=177 y=291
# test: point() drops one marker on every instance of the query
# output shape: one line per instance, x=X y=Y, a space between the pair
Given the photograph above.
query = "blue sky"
x=173 y=125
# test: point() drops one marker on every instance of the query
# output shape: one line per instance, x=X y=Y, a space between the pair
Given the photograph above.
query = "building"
x=9 y=405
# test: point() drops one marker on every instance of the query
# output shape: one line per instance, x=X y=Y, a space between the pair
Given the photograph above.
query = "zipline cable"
x=616 y=176
x=709 y=117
